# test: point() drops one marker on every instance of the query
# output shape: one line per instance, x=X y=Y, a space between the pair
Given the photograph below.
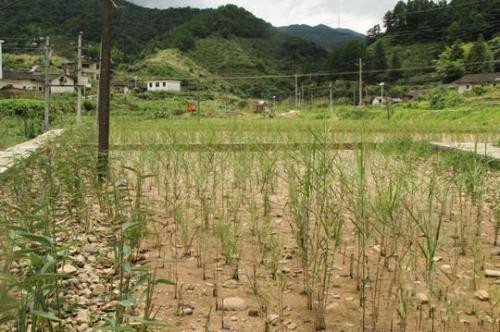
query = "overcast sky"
x=358 y=15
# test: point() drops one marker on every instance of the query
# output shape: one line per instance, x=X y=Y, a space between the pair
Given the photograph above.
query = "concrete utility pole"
x=331 y=96
x=48 y=54
x=296 y=91
x=302 y=93
x=1 y=67
x=382 y=84
x=360 y=82
x=198 y=107
x=104 y=90
x=79 y=82
x=226 y=99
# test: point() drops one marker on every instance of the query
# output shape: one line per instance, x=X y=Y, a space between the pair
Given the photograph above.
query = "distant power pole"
x=360 y=82
x=226 y=99
x=331 y=96
x=79 y=82
x=1 y=67
x=104 y=90
x=302 y=93
x=198 y=107
x=48 y=54
x=296 y=91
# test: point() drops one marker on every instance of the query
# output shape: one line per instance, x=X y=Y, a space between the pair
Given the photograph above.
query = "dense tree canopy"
x=427 y=20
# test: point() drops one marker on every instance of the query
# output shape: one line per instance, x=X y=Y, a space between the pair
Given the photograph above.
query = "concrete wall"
x=462 y=88
x=62 y=84
x=22 y=84
x=164 y=86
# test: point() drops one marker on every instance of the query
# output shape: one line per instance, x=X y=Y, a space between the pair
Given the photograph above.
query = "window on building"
x=157 y=84
x=85 y=65
x=151 y=85
x=467 y=86
x=164 y=84
x=97 y=66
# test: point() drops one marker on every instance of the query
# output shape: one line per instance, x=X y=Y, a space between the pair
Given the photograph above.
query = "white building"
x=164 y=86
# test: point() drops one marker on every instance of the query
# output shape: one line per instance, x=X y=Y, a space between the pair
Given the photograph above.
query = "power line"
x=317 y=74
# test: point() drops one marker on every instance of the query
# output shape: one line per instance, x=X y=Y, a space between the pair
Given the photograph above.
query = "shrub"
x=25 y=108
x=444 y=98
x=479 y=90
x=89 y=106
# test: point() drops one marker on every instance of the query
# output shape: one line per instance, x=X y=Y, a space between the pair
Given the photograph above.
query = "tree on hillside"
x=454 y=31
x=495 y=49
x=373 y=34
x=345 y=57
x=377 y=61
x=451 y=63
x=395 y=73
x=479 y=59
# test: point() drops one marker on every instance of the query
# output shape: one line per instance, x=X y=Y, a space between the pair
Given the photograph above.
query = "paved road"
x=481 y=149
x=21 y=151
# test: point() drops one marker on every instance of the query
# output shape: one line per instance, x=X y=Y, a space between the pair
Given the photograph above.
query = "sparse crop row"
x=407 y=230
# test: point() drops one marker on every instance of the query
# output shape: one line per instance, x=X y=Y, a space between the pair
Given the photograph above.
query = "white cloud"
x=358 y=15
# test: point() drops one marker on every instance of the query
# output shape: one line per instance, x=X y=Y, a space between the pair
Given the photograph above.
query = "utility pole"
x=1 y=67
x=331 y=96
x=79 y=82
x=360 y=82
x=198 y=107
x=104 y=91
x=48 y=54
x=296 y=91
x=302 y=93
x=226 y=100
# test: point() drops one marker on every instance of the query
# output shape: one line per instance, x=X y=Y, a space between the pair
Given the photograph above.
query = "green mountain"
x=323 y=35
x=227 y=41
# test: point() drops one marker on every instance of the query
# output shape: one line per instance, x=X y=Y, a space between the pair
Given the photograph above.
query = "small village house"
x=31 y=81
x=467 y=82
x=120 y=87
x=163 y=85
x=385 y=100
x=90 y=71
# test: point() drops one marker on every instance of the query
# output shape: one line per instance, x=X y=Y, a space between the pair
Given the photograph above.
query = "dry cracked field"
x=393 y=237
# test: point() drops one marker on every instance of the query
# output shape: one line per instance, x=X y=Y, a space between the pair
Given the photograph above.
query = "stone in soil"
x=231 y=284
x=445 y=268
x=492 y=273
x=482 y=295
x=68 y=269
x=187 y=311
x=273 y=319
x=82 y=316
x=423 y=298
x=234 y=304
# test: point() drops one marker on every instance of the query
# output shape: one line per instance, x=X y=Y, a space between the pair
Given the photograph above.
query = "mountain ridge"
x=322 y=34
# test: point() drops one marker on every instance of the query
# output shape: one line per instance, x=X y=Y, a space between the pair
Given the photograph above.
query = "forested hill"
x=435 y=21
x=175 y=42
x=138 y=30
x=133 y=26
x=322 y=35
